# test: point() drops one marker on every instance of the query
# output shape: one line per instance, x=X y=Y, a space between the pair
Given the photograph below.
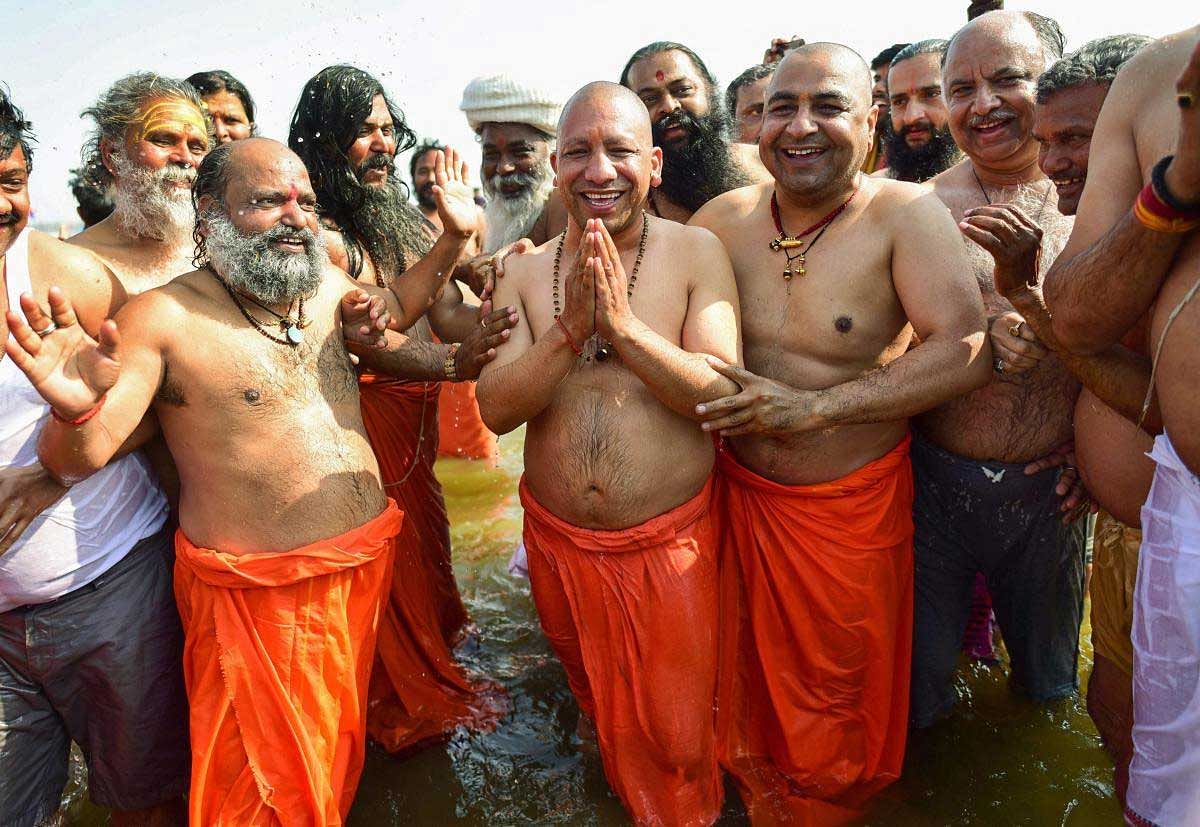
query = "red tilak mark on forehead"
x=293 y=192
x=659 y=76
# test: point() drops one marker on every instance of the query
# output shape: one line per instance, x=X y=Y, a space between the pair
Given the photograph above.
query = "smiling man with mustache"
x=982 y=502
x=839 y=276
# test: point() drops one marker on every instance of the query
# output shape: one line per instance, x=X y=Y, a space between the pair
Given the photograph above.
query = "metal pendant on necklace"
x=292 y=331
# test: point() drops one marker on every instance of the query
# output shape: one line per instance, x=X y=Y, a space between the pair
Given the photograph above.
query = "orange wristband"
x=578 y=350
x=1155 y=214
x=75 y=423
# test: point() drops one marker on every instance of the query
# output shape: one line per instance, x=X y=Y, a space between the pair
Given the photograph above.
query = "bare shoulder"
x=95 y=292
x=747 y=157
x=730 y=208
x=695 y=241
x=520 y=269
x=165 y=309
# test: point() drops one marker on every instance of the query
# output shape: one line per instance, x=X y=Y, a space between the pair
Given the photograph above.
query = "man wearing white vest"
x=90 y=640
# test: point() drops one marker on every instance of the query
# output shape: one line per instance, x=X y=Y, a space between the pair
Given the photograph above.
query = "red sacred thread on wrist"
x=578 y=350
x=75 y=423
x=1155 y=214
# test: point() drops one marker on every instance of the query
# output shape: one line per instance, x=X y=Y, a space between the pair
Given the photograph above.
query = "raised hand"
x=1183 y=174
x=1013 y=240
x=479 y=347
x=364 y=319
x=612 y=284
x=579 y=292
x=71 y=370
x=455 y=201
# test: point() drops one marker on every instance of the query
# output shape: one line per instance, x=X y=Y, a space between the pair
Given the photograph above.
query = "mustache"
x=175 y=175
x=922 y=125
x=9 y=218
x=379 y=161
x=524 y=180
x=307 y=236
x=1002 y=112
x=680 y=118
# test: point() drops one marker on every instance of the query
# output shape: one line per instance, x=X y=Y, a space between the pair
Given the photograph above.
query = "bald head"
x=842 y=66
x=606 y=160
x=606 y=100
x=1032 y=31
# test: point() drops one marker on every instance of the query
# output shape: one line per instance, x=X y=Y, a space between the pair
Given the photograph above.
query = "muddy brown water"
x=997 y=760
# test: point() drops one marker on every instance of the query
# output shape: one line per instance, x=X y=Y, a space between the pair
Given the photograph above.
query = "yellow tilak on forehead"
x=175 y=114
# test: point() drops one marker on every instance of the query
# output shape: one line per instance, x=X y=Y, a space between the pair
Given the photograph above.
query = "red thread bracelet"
x=75 y=423
x=578 y=350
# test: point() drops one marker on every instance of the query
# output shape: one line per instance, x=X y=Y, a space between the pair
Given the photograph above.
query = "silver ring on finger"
x=47 y=330
x=998 y=365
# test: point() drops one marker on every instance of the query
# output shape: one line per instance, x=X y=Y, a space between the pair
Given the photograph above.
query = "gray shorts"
x=101 y=666
x=989 y=517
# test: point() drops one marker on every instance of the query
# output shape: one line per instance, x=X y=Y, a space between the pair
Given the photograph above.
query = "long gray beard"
x=147 y=205
x=250 y=264
x=511 y=219
x=391 y=229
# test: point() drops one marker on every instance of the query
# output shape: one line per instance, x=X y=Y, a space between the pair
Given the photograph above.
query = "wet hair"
x=660 y=46
x=121 y=105
x=754 y=73
x=419 y=150
x=212 y=179
x=1048 y=32
x=15 y=131
x=333 y=106
x=218 y=80
x=95 y=202
x=933 y=46
x=887 y=55
x=1094 y=62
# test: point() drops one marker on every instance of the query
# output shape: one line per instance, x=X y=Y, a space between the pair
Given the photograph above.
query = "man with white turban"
x=516 y=125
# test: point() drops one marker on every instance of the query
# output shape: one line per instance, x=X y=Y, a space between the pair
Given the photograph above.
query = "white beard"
x=146 y=204
x=511 y=219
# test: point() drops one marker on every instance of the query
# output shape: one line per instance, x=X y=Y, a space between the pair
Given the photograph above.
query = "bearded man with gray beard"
x=348 y=132
x=516 y=125
x=150 y=135
x=285 y=534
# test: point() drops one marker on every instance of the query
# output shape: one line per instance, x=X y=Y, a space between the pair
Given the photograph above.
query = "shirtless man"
x=744 y=102
x=348 y=132
x=606 y=367
x=977 y=509
x=690 y=127
x=1111 y=450
x=285 y=531
x=90 y=641
x=1152 y=111
x=815 y=482
x=149 y=138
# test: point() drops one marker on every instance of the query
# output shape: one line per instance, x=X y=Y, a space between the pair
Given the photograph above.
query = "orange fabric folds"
x=418 y=692
x=461 y=430
x=632 y=615
x=277 y=653
x=816 y=637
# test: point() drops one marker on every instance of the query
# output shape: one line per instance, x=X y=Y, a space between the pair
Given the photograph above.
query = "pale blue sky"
x=58 y=56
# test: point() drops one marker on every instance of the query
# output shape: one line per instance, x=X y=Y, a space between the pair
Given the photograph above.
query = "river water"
x=997 y=760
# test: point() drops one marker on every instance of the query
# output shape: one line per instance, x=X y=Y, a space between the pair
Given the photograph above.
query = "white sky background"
x=59 y=56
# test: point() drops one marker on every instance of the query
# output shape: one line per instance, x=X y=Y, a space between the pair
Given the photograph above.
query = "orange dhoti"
x=277 y=653
x=419 y=693
x=632 y=615
x=461 y=432
x=816 y=645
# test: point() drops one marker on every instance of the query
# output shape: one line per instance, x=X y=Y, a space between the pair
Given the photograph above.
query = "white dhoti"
x=1164 y=778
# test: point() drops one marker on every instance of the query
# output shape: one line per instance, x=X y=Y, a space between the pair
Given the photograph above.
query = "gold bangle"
x=448 y=367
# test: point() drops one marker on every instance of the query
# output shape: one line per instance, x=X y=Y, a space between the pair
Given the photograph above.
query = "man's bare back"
x=839 y=321
x=596 y=455
x=1019 y=417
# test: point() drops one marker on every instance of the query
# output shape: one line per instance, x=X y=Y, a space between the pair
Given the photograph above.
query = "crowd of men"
x=771 y=491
